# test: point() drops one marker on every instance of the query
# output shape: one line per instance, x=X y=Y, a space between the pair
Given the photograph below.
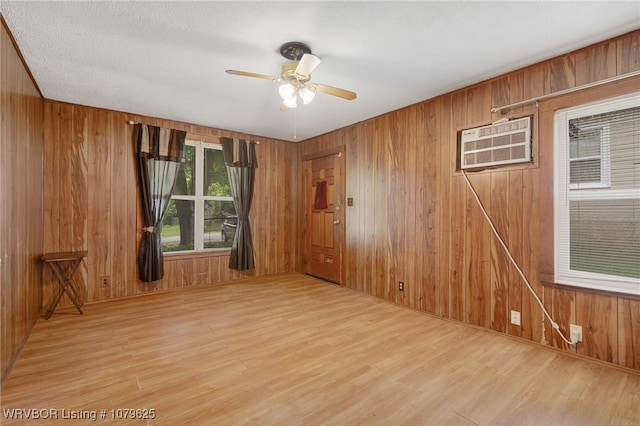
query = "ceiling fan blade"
x=251 y=74
x=307 y=64
x=334 y=91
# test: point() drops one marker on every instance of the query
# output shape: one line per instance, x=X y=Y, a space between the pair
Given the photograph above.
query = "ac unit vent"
x=506 y=142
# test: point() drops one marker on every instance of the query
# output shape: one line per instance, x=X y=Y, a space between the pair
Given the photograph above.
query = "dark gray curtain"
x=240 y=158
x=160 y=156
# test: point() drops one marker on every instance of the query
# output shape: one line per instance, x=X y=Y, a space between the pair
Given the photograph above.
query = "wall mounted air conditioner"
x=503 y=142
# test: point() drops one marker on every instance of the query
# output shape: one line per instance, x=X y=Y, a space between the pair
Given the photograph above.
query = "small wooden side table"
x=64 y=266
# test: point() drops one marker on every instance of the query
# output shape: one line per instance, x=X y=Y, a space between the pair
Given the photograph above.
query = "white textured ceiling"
x=168 y=59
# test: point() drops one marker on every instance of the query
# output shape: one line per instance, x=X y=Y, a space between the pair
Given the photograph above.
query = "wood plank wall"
x=414 y=220
x=91 y=203
x=21 y=151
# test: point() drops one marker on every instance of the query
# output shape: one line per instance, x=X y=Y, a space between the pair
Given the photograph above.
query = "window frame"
x=199 y=200
x=564 y=192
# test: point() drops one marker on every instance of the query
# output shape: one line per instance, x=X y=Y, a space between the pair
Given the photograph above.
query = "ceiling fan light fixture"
x=287 y=90
x=295 y=77
x=307 y=94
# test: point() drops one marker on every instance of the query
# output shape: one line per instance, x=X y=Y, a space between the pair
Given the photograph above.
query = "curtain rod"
x=564 y=92
x=131 y=122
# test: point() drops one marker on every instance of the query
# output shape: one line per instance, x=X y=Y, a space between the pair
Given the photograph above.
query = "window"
x=201 y=214
x=597 y=195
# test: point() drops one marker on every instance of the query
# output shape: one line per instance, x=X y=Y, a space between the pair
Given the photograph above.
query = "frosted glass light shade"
x=286 y=90
x=307 y=94
x=290 y=102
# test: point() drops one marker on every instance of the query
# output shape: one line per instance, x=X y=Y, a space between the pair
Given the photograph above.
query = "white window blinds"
x=597 y=195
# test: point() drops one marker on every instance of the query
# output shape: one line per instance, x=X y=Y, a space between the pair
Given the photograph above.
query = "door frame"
x=340 y=151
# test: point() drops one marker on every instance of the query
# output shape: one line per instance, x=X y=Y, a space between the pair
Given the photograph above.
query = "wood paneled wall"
x=91 y=203
x=414 y=219
x=21 y=151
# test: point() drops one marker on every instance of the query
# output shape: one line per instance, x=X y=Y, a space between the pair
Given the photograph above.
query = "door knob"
x=336 y=222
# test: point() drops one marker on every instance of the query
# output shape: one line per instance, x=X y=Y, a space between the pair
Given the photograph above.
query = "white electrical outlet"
x=576 y=333
x=515 y=317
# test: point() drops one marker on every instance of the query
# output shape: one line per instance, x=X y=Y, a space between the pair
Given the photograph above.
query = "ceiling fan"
x=296 y=75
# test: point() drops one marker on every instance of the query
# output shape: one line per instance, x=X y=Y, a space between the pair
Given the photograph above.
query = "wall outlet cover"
x=575 y=332
x=515 y=317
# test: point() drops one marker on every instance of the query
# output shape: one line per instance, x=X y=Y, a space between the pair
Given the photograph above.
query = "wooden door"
x=324 y=236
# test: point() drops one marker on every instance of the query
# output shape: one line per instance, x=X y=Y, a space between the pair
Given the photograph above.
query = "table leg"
x=66 y=285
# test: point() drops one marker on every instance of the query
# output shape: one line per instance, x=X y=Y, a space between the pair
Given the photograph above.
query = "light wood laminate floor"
x=293 y=350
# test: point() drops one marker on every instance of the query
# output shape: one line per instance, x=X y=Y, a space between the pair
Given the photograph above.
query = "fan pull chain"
x=295 y=123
